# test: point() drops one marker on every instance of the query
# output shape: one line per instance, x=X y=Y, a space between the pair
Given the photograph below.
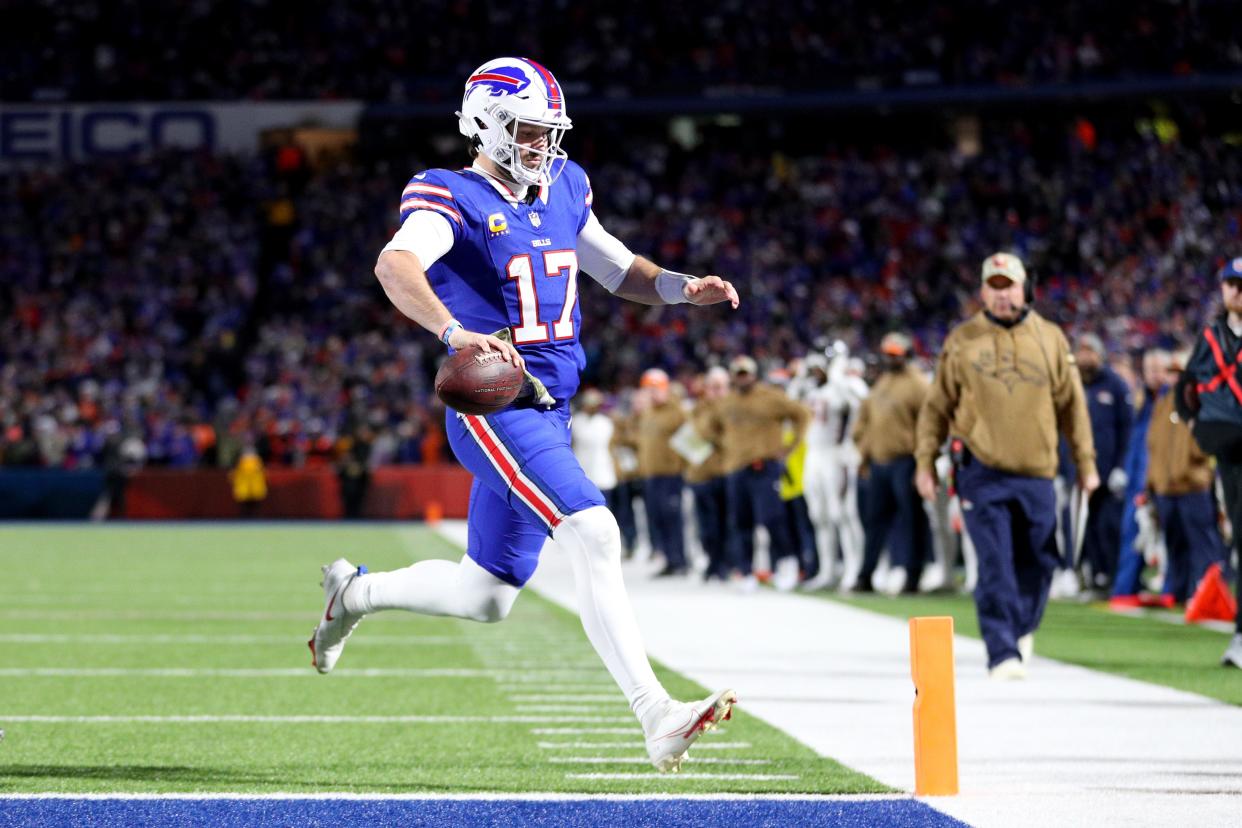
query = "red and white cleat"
x=327 y=641
x=682 y=724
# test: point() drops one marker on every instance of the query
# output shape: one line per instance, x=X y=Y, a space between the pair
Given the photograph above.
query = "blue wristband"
x=445 y=334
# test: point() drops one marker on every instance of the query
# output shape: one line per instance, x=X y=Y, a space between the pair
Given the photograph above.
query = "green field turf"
x=202 y=621
x=1185 y=657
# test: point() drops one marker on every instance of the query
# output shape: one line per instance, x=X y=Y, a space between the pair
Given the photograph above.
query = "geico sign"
x=76 y=132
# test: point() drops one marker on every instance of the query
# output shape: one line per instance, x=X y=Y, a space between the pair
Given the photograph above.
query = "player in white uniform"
x=834 y=392
x=592 y=431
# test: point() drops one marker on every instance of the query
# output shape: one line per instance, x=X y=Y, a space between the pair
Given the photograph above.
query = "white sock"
x=461 y=590
x=592 y=541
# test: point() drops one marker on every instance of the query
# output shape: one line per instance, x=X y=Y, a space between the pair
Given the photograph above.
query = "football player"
x=489 y=256
x=834 y=394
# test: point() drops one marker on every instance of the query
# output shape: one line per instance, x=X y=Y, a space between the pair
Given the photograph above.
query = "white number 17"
x=555 y=263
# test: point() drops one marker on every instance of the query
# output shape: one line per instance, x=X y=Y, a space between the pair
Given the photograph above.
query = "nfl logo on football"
x=534 y=218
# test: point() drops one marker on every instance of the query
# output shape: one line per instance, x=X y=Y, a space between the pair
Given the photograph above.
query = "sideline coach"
x=1005 y=384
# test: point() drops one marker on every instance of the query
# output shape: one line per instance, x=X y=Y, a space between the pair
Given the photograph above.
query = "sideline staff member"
x=1005 y=385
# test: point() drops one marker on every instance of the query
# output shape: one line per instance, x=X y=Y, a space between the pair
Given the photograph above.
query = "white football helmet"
x=500 y=96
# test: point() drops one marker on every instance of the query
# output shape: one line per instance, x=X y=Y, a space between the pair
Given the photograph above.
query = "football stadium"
x=610 y=415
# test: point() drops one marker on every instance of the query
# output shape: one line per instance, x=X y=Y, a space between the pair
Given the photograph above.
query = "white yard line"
x=248 y=672
x=677 y=777
x=294 y=719
x=1069 y=746
x=635 y=730
x=643 y=760
x=568 y=698
x=198 y=639
x=463 y=797
x=699 y=745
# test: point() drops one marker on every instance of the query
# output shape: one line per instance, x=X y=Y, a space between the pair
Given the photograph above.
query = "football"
x=474 y=381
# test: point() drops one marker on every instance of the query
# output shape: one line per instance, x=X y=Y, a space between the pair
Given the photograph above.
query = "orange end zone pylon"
x=935 y=706
x=1212 y=601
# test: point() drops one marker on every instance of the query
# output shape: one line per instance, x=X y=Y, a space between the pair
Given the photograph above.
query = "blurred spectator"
x=379 y=51
x=1111 y=411
x=885 y=434
x=1133 y=553
x=707 y=478
x=1209 y=394
x=249 y=482
x=1181 y=478
x=751 y=422
x=662 y=469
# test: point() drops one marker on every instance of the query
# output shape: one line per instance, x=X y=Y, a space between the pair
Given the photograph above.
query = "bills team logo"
x=503 y=80
x=497 y=225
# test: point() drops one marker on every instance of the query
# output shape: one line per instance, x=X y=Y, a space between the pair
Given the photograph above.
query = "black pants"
x=1231 y=482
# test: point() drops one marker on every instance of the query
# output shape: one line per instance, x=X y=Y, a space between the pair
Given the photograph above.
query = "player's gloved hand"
x=1118 y=480
x=709 y=291
x=462 y=338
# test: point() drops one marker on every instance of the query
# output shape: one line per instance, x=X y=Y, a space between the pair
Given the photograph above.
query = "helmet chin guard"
x=504 y=95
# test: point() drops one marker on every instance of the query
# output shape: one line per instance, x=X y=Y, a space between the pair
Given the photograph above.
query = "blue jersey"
x=512 y=265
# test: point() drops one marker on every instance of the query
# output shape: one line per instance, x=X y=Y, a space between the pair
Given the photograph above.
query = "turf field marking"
x=565 y=708
x=467 y=797
x=638 y=745
x=674 y=777
x=238 y=718
x=192 y=638
x=244 y=672
x=551 y=697
x=557 y=688
x=611 y=731
x=643 y=760
x=1176 y=618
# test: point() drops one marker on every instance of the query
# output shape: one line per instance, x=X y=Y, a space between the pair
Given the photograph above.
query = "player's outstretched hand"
x=462 y=338
x=709 y=291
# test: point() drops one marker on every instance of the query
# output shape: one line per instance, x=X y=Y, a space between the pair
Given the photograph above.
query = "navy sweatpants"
x=663 y=497
x=1192 y=539
x=1012 y=522
x=755 y=498
x=895 y=516
x=621 y=503
x=711 y=510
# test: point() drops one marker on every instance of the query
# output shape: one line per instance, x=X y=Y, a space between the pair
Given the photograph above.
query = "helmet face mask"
x=502 y=96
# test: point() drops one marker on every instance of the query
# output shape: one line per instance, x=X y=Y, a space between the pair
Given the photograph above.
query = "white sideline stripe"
x=243 y=672
x=673 y=777
x=611 y=731
x=55 y=638
x=642 y=760
x=700 y=745
x=456 y=797
x=231 y=718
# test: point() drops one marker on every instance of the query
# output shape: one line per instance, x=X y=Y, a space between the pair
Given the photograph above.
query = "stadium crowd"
x=203 y=303
x=88 y=50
